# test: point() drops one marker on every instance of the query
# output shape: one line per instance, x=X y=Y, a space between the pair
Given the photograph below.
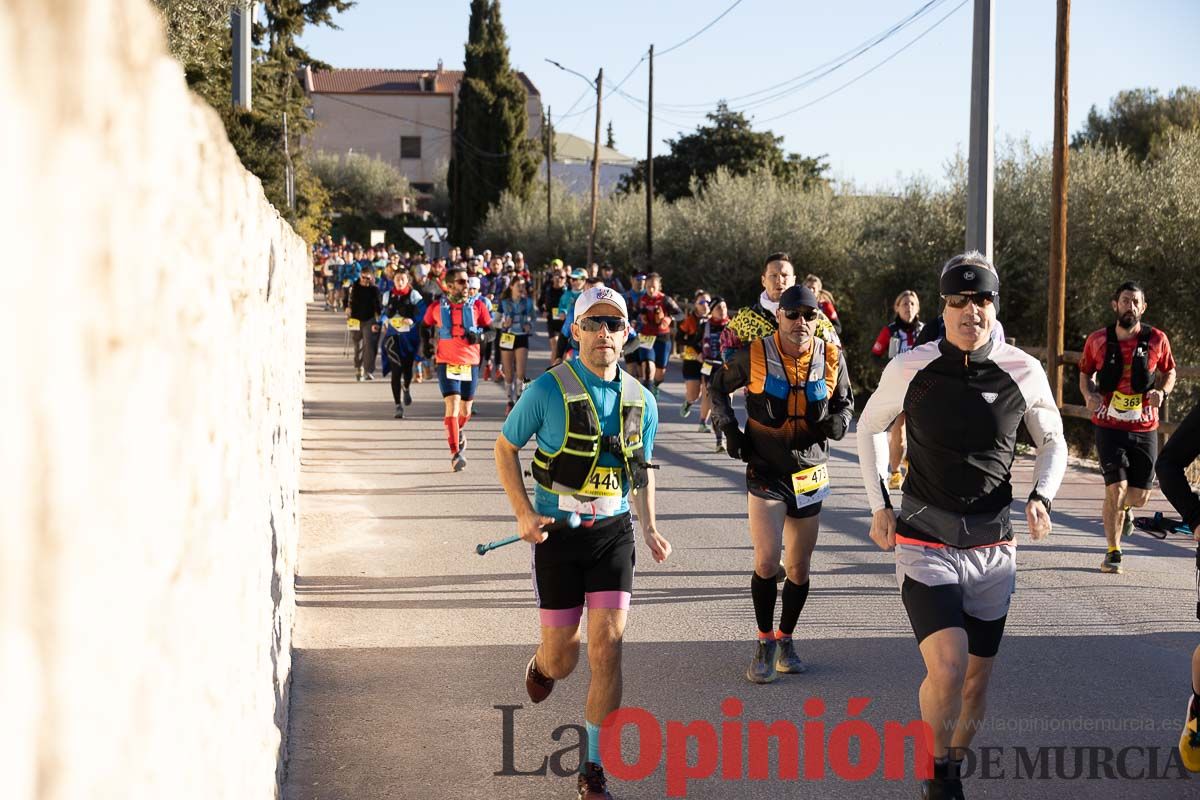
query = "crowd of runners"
x=940 y=430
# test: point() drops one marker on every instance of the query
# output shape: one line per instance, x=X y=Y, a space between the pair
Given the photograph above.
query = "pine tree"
x=492 y=152
x=610 y=141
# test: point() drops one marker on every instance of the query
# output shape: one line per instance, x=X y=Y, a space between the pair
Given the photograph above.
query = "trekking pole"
x=573 y=521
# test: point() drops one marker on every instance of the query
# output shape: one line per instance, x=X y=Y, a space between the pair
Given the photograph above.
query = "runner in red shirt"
x=458 y=323
x=1126 y=372
x=655 y=312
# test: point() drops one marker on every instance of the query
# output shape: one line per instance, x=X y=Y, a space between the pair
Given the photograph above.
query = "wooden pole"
x=650 y=170
x=1057 y=296
x=591 y=248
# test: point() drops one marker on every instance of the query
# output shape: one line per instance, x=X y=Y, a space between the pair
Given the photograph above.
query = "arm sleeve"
x=880 y=348
x=841 y=404
x=1046 y=427
x=725 y=381
x=881 y=410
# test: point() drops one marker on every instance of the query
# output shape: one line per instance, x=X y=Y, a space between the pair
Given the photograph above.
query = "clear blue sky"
x=909 y=116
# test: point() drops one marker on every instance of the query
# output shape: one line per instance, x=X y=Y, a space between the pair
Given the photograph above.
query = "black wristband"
x=1044 y=500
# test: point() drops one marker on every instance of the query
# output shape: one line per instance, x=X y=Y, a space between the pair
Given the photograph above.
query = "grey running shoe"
x=370 y=376
x=1111 y=562
x=762 y=668
x=786 y=659
x=720 y=446
x=462 y=441
x=458 y=463
x=399 y=412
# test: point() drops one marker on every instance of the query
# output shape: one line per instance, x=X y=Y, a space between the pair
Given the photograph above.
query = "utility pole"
x=591 y=248
x=1057 y=296
x=239 y=20
x=650 y=170
x=549 y=160
x=981 y=164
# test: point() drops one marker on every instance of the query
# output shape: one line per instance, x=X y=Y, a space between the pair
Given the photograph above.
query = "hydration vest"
x=898 y=340
x=569 y=470
x=446 y=330
x=770 y=389
x=710 y=338
x=1140 y=377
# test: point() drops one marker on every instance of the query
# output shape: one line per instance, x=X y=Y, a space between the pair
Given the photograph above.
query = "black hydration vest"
x=1140 y=376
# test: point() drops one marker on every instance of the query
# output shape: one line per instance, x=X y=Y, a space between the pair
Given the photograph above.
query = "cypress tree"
x=492 y=152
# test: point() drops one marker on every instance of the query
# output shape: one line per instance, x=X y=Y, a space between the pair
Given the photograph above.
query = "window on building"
x=410 y=146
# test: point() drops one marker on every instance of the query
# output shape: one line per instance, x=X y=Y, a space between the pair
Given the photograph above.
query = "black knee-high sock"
x=793 y=603
x=763 y=591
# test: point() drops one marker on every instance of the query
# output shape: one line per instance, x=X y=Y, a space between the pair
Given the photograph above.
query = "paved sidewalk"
x=406 y=640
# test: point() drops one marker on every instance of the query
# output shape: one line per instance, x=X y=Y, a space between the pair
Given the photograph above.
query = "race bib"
x=603 y=482
x=558 y=313
x=346 y=284
x=507 y=341
x=646 y=342
x=458 y=372
x=353 y=324
x=706 y=368
x=811 y=485
x=401 y=323
x=1127 y=407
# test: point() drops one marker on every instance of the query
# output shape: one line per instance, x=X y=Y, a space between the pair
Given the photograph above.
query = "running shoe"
x=407 y=397
x=399 y=411
x=786 y=659
x=896 y=480
x=457 y=462
x=1111 y=562
x=358 y=375
x=592 y=783
x=685 y=410
x=462 y=441
x=1189 y=740
x=370 y=376
x=487 y=372
x=654 y=391
x=1127 y=523
x=762 y=668
x=720 y=446
x=536 y=684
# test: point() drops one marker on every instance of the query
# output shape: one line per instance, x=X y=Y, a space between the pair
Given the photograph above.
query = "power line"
x=702 y=30
x=859 y=77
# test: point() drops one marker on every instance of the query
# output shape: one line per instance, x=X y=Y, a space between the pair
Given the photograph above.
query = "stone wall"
x=152 y=339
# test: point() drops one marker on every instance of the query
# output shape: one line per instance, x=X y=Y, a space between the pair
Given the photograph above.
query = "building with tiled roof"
x=403 y=116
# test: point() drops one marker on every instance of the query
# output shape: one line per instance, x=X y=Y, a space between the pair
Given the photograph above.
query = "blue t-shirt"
x=540 y=411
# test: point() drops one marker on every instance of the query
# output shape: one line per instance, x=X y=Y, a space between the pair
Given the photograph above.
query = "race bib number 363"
x=1125 y=407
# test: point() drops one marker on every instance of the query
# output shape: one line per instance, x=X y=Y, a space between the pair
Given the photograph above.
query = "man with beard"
x=594 y=425
x=797 y=398
x=1126 y=372
x=757 y=321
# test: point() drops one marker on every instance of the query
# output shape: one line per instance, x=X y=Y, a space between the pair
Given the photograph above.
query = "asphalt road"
x=406 y=641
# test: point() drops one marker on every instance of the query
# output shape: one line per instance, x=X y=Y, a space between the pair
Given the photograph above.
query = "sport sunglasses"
x=594 y=324
x=980 y=299
x=795 y=314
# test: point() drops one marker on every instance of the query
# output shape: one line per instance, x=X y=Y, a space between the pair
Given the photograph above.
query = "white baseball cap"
x=473 y=282
x=599 y=294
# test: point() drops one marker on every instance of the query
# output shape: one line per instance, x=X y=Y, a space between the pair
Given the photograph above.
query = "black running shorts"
x=584 y=565
x=1127 y=456
x=770 y=487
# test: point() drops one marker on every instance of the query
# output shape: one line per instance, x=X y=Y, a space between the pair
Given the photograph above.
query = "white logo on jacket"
x=990 y=397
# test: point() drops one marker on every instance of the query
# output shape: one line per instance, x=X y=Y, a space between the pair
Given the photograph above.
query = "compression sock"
x=593 y=746
x=762 y=591
x=452 y=426
x=793 y=603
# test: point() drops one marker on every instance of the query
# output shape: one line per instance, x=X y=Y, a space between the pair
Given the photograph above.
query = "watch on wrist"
x=1034 y=495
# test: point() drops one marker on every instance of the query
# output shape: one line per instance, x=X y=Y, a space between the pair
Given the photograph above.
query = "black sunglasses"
x=795 y=314
x=594 y=324
x=461 y=282
x=980 y=299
